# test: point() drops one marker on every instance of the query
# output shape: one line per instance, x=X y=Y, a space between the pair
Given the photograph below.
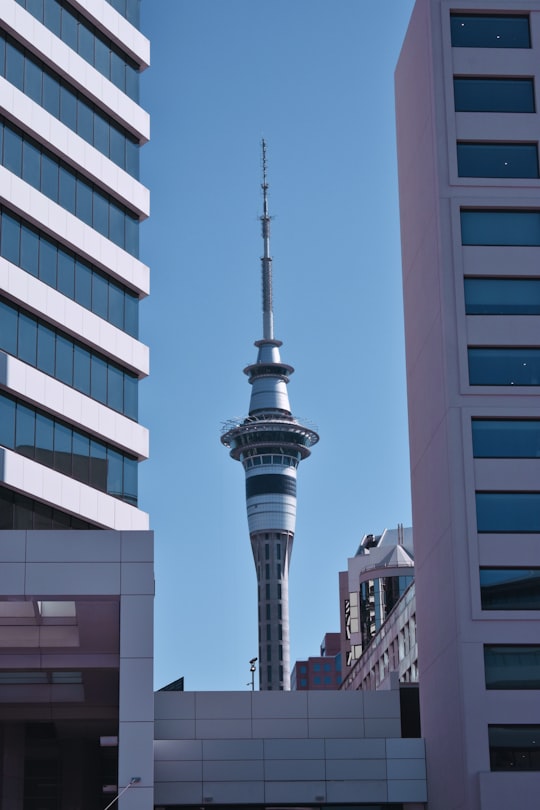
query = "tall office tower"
x=468 y=130
x=70 y=361
x=270 y=443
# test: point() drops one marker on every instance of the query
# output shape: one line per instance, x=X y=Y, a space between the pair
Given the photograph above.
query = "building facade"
x=320 y=671
x=270 y=443
x=468 y=129
x=71 y=128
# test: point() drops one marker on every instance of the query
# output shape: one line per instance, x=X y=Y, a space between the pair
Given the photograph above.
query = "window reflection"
x=502 y=296
x=506 y=438
x=52 y=352
x=60 y=269
x=28 y=431
x=497 y=160
x=510 y=588
x=490 y=31
x=472 y=94
x=122 y=225
x=77 y=32
x=508 y=512
x=501 y=366
x=493 y=227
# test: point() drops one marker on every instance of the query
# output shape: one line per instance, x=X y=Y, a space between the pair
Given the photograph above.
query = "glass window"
x=490 y=31
x=33 y=77
x=62 y=448
x=6 y=509
x=131 y=469
x=510 y=588
x=514 y=748
x=47 y=262
x=8 y=329
x=49 y=177
x=67 y=189
x=46 y=349
x=101 y=134
x=85 y=121
x=131 y=396
x=98 y=379
x=25 y=426
x=31 y=165
x=502 y=296
x=27 y=342
x=64 y=359
x=7 y=422
x=52 y=16
x=14 y=65
x=86 y=44
x=511 y=512
x=115 y=388
x=44 y=440
x=81 y=369
x=69 y=29
x=493 y=95
x=497 y=160
x=506 y=438
x=66 y=272
x=68 y=107
x=81 y=457
x=100 y=219
x=42 y=516
x=99 y=295
x=30 y=251
x=114 y=473
x=84 y=201
x=116 y=305
x=13 y=151
x=512 y=666
x=98 y=465
x=498 y=366
x=492 y=227
x=83 y=284
x=51 y=94
x=11 y=236
x=102 y=57
x=23 y=512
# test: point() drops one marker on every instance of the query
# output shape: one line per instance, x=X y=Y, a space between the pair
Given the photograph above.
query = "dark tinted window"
x=514 y=748
x=510 y=588
x=491 y=227
x=501 y=366
x=512 y=666
x=506 y=438
x=493 y=95
x=508 y=512
x=19 y=512
x=502 y=296
x=489 y=31
x=497 y=160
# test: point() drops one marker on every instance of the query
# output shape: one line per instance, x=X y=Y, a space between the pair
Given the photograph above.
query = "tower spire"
x=270 y=443
x=266 y=260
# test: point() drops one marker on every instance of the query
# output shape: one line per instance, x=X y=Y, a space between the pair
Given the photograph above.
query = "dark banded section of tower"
x=270 y=443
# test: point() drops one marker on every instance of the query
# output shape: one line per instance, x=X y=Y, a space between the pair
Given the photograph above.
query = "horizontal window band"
x=270 y=484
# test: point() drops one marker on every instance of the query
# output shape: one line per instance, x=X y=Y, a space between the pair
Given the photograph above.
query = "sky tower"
x=270 y=443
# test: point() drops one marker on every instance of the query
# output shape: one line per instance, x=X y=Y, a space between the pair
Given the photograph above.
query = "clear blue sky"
x=315 y=78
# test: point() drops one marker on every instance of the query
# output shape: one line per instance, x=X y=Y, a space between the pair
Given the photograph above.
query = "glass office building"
x=71 y=202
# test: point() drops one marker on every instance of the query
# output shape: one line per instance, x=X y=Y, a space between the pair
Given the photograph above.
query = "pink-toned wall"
x=456 y=708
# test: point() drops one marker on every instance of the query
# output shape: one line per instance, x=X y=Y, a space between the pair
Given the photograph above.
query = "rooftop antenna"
x=266 y=260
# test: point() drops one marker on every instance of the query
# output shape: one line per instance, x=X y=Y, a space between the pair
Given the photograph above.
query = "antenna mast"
x=266 y=261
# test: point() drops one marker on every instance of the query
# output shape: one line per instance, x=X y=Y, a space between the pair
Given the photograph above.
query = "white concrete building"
x=75 y=597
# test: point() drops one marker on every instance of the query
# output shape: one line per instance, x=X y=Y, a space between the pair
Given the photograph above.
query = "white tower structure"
x=270 y=443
